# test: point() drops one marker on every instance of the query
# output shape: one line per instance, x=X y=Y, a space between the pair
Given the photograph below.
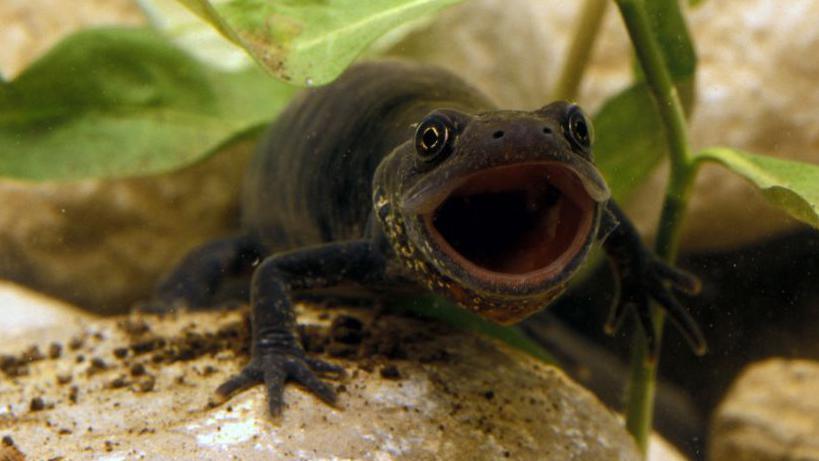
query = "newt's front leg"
x=642 y=276
x=276 y=352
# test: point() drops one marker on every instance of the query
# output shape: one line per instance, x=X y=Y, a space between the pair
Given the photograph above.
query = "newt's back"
x=311 y=178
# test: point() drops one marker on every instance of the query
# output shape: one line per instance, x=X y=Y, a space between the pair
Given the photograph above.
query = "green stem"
x=643 y=378
x=582 y=42
x=640 y=398
x=659 y=81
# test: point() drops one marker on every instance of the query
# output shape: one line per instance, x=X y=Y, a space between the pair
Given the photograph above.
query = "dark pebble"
x=37 y=404
x=73 y=394
x=118 y=383
x=121 y=352
x=76 y=343
x=55 y=350
x=390 y=372
x=137 y=369
x=346 y=329
x=147 y=385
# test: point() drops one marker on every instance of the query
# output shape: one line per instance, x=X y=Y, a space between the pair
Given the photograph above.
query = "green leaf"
x=309 y=42
x=630 y=142
x=792 y=186
x=669 y=26
x=121 y=102
x=437 y=308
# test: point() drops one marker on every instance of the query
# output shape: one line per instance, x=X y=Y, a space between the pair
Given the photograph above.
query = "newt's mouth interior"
x=528 y=219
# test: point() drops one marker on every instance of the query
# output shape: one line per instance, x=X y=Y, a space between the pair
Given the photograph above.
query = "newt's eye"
x=578 y=129
x=433 y=138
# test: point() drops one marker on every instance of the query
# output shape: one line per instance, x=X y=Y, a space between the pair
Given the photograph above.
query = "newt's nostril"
x=497 y=134
x=547 y=130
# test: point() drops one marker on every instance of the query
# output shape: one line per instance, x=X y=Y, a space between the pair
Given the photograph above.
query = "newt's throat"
x=518 y=221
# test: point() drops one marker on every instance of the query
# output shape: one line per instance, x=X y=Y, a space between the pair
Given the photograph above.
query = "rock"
x=103 y=244
x=755 y=90
x=26 y=312
x=770 y=413
x=135 y=387
x=661 y=450
x=513 y=61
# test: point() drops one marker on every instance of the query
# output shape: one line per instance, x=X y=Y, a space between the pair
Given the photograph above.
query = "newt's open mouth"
x=516 y=224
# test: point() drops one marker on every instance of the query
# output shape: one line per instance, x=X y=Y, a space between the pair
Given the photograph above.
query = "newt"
x=402 y=176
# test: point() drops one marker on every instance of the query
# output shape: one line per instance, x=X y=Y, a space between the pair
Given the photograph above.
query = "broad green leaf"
x=437 y=308
x=121 y=102
x=792 y=186
x=630 y=140
x=309 y=42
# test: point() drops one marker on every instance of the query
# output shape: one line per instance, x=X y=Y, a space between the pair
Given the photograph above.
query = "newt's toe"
x=274 y=369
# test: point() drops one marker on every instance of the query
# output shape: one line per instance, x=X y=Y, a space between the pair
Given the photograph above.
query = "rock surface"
x=139 y=388
x=102 y=244
x=770 y=413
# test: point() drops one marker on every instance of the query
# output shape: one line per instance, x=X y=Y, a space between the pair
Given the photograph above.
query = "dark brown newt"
x=401 y=175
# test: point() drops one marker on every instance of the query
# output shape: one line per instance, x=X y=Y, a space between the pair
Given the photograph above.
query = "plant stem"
x=582 y=42
x=640 y=399
x=642 y=384
x=659 y=82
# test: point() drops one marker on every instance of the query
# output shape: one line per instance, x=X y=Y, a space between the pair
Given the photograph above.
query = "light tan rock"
x=660 y=450
x=496 y=45
x=27 y=313
x=770 y=413
x=457 y=397
x=103 y=244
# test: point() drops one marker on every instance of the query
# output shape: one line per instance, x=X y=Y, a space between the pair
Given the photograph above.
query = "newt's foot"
x=273 y=368
x=654 y=279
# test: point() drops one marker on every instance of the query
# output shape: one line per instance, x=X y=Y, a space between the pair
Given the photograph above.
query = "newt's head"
x=495 y=210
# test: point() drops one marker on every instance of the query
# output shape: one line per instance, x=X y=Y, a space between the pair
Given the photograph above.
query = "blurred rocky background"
x=102 y=244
